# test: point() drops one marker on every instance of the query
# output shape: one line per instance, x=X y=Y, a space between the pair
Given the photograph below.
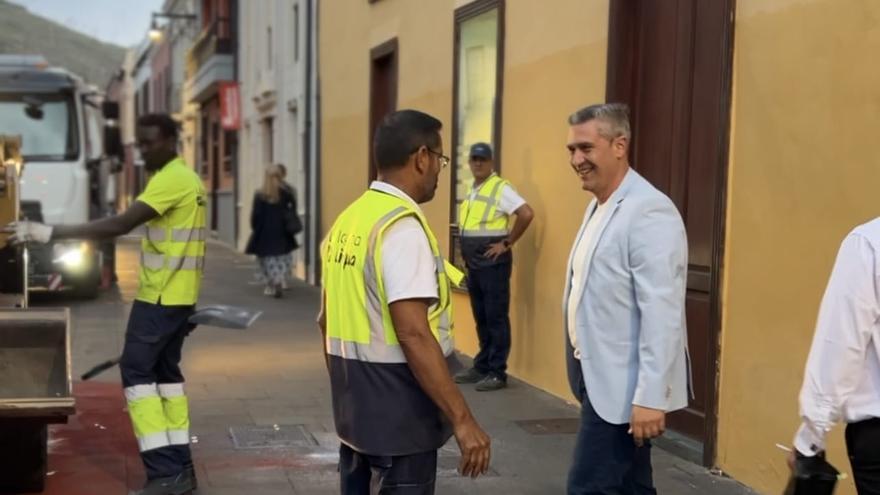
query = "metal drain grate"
x=550 y=426
x=271 y=437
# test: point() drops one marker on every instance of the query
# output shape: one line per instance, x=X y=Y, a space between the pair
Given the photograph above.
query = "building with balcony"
x=210 y=64
x=274 y=68
x=180 y=35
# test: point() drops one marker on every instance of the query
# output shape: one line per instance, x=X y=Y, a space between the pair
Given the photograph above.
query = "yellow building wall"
x=554 y=64
x=804 y=170
x=546 y=78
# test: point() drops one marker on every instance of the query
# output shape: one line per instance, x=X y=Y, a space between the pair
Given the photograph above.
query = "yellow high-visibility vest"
x=173 y=249
x=479 y=216
x=359 y=324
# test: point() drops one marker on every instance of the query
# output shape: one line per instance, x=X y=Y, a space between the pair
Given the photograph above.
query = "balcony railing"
x=215 y=39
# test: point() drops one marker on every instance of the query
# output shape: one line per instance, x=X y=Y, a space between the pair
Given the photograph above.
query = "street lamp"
x=155 y=34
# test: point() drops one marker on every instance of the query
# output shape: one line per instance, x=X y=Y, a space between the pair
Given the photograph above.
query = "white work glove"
x=26 y=231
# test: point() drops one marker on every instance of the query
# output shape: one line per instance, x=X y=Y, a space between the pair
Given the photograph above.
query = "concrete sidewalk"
x=260 y=401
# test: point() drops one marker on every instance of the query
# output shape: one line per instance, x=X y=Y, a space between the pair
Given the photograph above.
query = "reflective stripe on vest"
x=478 y=216
x=158 y=234
x=373 y=338
x=155 y=261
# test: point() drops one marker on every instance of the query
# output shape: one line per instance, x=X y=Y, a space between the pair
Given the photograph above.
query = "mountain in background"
x=22 y=32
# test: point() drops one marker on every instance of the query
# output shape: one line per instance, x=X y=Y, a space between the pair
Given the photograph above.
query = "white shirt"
x=842 y=378
x=580 y=264
x=509 y=202
x=409 y=270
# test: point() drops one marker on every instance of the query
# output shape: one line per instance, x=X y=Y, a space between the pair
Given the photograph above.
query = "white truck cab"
x=66 y=170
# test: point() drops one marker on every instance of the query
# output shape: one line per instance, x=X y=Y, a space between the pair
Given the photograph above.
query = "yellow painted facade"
x=803 y=170
x=545 y=79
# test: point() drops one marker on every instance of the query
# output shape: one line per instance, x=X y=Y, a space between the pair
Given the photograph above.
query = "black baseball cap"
x=481 y=150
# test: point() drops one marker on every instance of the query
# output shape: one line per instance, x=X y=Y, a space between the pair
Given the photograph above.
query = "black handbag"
x=292 y=222
x=812 y=476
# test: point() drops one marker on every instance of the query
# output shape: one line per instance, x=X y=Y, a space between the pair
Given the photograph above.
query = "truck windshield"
x=46 y=123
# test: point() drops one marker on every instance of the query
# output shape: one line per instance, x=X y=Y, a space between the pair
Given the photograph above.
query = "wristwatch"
x=506 y=243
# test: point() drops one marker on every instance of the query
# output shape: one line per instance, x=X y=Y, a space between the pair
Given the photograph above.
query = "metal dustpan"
x=219 y=315
x=225 y=316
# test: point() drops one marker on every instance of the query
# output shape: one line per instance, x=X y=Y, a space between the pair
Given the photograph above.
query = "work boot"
x=470 y=375
x=490 y=383
x=182 y=484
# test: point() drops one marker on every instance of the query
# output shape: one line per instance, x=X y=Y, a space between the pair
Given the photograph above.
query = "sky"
x=123 y=22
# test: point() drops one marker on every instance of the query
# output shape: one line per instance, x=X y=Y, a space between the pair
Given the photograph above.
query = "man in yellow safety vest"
x=486 y=243
x=387 y=323
x=172 y=257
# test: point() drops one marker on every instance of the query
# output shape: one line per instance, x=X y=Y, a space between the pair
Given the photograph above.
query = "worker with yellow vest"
x=387 y=320
x=486 y=242
x=172 y=258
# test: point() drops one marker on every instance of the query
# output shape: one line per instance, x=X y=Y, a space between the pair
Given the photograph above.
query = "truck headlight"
x=70 y=255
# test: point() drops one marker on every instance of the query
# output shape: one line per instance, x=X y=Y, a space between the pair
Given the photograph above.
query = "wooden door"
x=671 y=62
x=383 y=90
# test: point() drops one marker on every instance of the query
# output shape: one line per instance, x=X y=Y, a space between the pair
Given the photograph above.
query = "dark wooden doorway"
x=671 y=61
x=383 y=89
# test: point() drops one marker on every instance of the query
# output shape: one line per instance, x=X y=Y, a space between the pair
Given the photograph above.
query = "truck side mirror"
x=113 y=142
x=110 y=110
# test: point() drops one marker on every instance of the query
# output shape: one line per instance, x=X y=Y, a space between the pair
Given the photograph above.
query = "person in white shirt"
x=486 y=245
x=842 y=376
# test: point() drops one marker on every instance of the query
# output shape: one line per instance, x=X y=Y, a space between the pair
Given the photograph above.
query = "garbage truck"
x=72 y=150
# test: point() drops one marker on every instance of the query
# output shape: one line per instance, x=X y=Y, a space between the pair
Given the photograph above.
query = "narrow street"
x=260 y=406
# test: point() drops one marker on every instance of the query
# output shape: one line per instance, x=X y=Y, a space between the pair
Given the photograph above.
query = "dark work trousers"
x=489 y=289
x=153 y=343
x=362 y=474
x=606 y=460
x=863 y=447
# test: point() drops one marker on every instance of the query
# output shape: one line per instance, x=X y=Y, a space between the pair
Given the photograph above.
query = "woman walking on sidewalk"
x=271 y=240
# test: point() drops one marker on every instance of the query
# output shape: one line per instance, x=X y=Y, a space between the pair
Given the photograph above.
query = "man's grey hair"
x=615 y=116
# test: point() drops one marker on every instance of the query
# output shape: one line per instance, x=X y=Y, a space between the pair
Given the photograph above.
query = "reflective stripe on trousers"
x=176 y=407
x=147 y=416
x=159 y=415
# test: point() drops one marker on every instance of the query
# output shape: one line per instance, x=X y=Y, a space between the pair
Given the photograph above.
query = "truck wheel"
x=87 y=287
x=24 y=456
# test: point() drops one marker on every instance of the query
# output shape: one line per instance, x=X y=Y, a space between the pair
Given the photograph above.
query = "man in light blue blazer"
x=624 y=310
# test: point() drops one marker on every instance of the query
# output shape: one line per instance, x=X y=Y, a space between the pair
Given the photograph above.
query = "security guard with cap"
x=387 y=324
x=172 y=259
x=486 y=242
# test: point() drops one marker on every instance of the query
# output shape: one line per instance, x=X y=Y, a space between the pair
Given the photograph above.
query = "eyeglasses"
x=444 y=160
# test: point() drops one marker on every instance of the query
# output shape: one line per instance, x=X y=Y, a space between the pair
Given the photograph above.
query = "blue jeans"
x=489 y=290
x=607 y=461
x=362 y=474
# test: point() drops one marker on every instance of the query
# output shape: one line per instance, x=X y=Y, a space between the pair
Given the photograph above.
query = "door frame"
x=621 y=78
x=461 y=15
x=388 y=49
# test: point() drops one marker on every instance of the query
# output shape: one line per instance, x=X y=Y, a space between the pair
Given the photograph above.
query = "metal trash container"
x=35 y=391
